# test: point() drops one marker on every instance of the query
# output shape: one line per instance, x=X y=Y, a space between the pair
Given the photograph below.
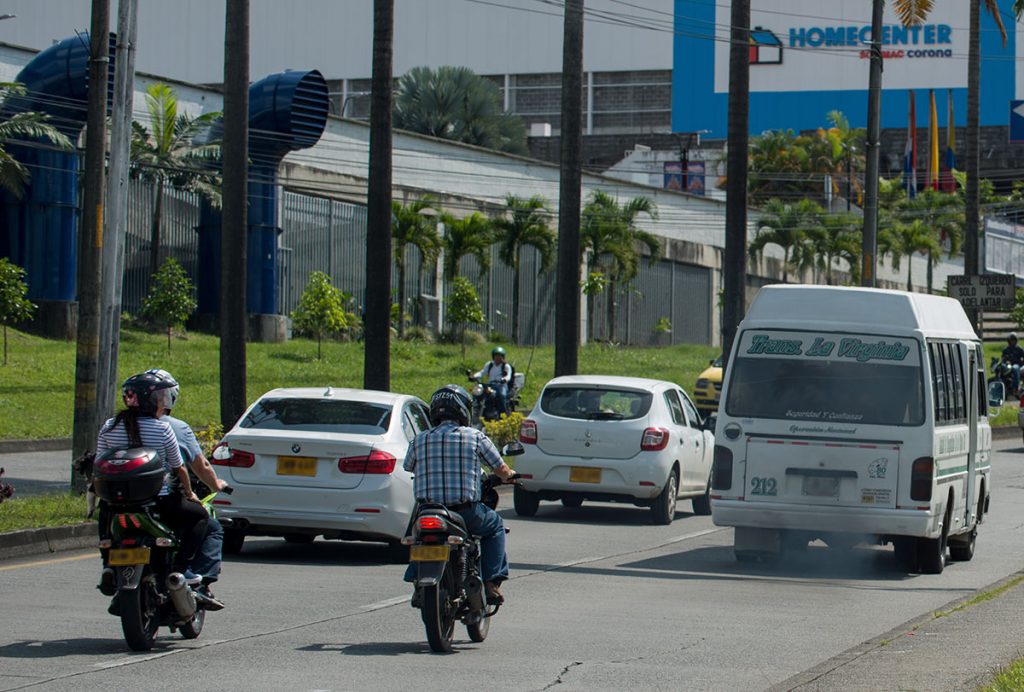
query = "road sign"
x=984 y=292
x=1017 y=121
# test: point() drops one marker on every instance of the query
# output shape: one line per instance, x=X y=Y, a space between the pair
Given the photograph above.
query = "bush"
x=503 y=430
x=321 y=310
x=209 y=437
x=419 y=334
x=14 y=306
x=170 y=301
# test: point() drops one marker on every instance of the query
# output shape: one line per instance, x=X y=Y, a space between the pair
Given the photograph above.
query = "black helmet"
x=168 y=396
x=142 y=391
x=498 y=351
x=450 y=402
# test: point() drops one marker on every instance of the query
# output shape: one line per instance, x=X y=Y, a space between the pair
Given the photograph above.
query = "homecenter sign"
x=859 y=36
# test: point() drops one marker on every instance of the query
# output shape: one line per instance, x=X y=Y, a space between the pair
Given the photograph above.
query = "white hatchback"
x=308 y=462
x=619 y=439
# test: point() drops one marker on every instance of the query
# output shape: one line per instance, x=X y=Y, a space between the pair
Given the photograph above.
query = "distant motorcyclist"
x=446 y=461
x=497 y=374
x=1014 y=355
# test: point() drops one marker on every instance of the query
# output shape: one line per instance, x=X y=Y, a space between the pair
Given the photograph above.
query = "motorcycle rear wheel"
x=140 y=615
x=439 y=614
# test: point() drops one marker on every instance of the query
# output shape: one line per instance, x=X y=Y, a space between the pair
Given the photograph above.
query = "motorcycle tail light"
x=122 y=519
x=528 y=432
x=164 y=542
x=455 y=540
x=431 y=524
x=106 y=543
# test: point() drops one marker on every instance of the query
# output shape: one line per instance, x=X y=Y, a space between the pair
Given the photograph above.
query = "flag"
x=949 y=182
x=933 y=144
x=910 y=150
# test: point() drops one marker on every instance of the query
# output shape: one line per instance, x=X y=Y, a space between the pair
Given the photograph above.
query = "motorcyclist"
x=497 y=373
x=1014 y=355
x=207 y=563
x=138 y=426
x=446 y=461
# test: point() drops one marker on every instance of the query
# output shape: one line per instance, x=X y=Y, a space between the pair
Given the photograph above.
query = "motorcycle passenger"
x=138 y=426
x=446 y=460
x=207 y=563
x=497 y=373
x=1014 y=355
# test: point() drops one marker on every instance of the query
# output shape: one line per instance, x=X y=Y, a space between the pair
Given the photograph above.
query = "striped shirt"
x=447 y=461
x=154 y=433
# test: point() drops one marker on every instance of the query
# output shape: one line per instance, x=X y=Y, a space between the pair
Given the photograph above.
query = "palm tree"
x=778 y=162
x=905 y=239
x=940 y=212
x=525 y=223
x=783 y=224
x=471 y=235
x=455 y=103
x=27 y=125
x=834 y=237
x=609 y=232
x=410 y=225
x=169 y=152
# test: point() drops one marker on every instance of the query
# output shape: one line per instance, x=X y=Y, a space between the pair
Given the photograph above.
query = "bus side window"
x=957 y=410
x=982 y=385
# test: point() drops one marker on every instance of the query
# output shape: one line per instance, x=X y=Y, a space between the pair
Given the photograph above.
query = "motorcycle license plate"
x=120 y=557
x=582 y=474
x=296 y=466
x=428 y=553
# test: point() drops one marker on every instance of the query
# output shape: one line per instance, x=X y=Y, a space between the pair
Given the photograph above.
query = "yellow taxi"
x=708 y=389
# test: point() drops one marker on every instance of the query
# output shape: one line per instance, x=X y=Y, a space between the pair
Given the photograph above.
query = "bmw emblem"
x=296 y=448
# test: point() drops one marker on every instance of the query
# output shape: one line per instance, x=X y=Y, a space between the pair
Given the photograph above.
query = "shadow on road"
x=34 y=648
x=606 y=514
x=370 y=648
x=321 y=552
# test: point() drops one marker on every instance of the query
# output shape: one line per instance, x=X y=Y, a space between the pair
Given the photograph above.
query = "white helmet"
x=169 y=396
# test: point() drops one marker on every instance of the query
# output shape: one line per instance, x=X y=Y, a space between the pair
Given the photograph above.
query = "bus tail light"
x=721 y=469
x=922 y=478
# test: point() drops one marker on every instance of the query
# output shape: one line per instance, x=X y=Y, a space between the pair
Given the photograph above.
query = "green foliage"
x=170 y=301
x=471 y=235
x=503 y=430
x=464 y=307
x=663 y=326
x=14 y=306
x=1017 y=313
x=785 y=224
x=412 y=224
x=29 y=125
x=594 y=284
x=209 y=437
x=39 y=511
x=321 y=310
x=419 y=334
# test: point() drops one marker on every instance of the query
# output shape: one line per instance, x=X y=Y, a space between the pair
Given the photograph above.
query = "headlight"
x=478 y=389
x=702 y=383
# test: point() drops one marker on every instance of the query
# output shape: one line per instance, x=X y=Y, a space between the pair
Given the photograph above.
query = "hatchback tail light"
x=225 y=456
x=376 y=462
x=528 y=432
x=721 y=469
x=922 y=474
x=654 y=439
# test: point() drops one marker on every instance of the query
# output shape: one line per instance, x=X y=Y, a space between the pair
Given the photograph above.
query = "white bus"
x=852 y=414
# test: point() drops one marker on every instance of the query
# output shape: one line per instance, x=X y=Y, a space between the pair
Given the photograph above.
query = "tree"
x=608 y=231
x=410 y=226
x=471 y=235
x=784 y=224
x=940 y=212
x=831 y=238
x=14 y=306
x=525 y=223
x=26 y=125
x=457 y=104
x=906 y=239
x=463 y=309
x=168 y=152
x=171 y=298
x=321 y=309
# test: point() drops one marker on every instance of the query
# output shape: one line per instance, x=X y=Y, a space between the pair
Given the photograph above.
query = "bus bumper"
x=819 y=520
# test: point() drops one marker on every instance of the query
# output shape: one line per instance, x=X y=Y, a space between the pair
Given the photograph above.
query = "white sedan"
x=619 y=439
x=308 y=462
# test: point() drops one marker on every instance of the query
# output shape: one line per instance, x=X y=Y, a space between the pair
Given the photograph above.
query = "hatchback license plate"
x=296 y=466
x=582 y=474
x=821 y=486
x=120 y=557
x=428 y=553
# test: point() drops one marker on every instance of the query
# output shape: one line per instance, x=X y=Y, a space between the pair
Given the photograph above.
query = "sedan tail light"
x=225 y=456
x=654 y=439
x=528 y=432
x=376 y=462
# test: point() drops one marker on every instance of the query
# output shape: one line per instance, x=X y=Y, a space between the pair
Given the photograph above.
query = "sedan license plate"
x=296 y=466
x=582 y=474
x=428 y=553
x=120 y=557
x=821 y=486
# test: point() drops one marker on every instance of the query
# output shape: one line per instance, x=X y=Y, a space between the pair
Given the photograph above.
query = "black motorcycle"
x=485 y=401
x=447 y=563
x=1002 y=371
x=149 y=593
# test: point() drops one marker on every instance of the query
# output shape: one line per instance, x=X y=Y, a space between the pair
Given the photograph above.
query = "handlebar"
x=493 y=480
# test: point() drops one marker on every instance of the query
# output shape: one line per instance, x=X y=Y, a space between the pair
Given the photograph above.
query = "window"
x=319 y=415
x=420 y=417
x=959 y=391
x=595 y=403
x=691 y=411
x=675 y=408
x=949 y=385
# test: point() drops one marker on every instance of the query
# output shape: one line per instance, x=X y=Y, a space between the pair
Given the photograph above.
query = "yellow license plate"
x=296 y=466
x=428 y=553
x=582 y=474
x=120 y=557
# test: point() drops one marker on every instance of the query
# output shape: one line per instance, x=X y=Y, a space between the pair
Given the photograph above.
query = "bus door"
x=969 y=357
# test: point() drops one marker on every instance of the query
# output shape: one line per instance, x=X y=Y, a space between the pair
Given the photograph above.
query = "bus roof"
x=870 y=310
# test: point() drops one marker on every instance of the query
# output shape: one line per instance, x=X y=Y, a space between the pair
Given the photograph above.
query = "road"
x=599 y=599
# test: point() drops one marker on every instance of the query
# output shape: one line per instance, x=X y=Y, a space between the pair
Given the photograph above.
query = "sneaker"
x=191 y=578
x=206 y=598
x=115 y=606
x=108 y=584
x=494 y=595
x=417 y=599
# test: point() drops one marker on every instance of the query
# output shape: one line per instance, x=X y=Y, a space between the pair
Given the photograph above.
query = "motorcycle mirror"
x=513 y=449
x=709 y=422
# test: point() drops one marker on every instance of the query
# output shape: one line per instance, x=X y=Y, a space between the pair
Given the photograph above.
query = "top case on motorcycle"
x=449 y=514
x=128 y=475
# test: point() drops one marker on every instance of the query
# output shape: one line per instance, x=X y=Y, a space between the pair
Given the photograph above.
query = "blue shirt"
x=447 y=461
x=188 y=445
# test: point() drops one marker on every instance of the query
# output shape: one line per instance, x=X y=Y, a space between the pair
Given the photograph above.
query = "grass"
x=1009 y=679
x=39 y=511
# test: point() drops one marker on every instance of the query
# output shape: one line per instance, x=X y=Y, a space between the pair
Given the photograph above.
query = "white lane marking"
x=386 y=603
x=670 y=541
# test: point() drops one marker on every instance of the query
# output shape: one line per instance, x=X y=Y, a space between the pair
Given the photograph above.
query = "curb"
x=45 y=445
x=14 y=544
x=1005 y=432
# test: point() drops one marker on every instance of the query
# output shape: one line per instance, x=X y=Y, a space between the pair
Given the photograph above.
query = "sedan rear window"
x=595 y=403
x=319 y=415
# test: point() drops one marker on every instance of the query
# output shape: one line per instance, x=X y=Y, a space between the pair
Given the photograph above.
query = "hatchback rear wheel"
x=663 y=511
x=525 y=502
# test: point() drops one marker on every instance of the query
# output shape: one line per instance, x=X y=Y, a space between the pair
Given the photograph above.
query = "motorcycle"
x=150 y=594
x=448 y=587
x=1002 y=371
x=485 y=403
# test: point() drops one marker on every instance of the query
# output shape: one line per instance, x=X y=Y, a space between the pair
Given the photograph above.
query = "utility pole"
x=377 y=313
x=117 y=205
x=234 y=212
x=869 y=240
x=972 y=162
x=90 y=239
x=734 y=270
x=567 y=286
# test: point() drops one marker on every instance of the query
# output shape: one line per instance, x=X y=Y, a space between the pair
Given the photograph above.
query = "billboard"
x=808 y=57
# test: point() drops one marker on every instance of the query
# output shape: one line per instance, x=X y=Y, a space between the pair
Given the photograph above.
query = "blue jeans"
x=500 y=390
x=483 y=521
x=1015 y=377
x=206 y=563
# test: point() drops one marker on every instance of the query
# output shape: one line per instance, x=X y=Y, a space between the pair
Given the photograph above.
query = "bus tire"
x=905 y=550
x=963 y=550
x=931 y=552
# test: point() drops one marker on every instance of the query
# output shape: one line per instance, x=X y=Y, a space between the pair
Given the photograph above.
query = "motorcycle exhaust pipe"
x=475 y=593
x=181 y=596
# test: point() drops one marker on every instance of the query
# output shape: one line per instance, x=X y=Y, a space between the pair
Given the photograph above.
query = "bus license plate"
x=428 y=553
x=821 y=486
x=582 y=474
x=296 y=466
x=121 y=557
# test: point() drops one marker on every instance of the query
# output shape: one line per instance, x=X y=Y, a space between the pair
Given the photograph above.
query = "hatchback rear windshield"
x=595 y=403
x=319 y=415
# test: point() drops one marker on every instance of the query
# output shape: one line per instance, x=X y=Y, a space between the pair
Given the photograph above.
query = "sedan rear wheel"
x=663 y=511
